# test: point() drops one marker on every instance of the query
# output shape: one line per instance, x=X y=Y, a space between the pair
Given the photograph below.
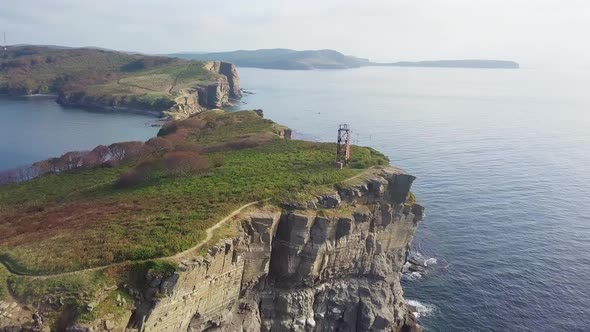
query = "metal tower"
x=343 y=146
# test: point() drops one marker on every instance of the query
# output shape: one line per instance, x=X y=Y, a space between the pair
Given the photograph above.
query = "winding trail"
x=176 y=257
x=179 y=256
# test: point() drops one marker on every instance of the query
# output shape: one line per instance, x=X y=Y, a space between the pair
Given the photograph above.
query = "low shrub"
x=141 y=174
x=217 y=160
x=158 y=144
x=183 y=163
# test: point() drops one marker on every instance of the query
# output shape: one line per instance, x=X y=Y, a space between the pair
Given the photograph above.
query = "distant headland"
x=280 y=58
x=454 y=64
x=288 y=59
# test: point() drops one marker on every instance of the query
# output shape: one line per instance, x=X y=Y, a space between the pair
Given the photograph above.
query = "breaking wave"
x=419 y=309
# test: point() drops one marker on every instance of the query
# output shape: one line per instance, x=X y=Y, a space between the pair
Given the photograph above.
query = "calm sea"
x=503 y=165
x=37 y=128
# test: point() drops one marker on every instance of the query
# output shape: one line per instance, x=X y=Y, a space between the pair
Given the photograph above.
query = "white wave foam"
x=419 y=309
x=406 y=267
x=430 y=261
x=413 y=276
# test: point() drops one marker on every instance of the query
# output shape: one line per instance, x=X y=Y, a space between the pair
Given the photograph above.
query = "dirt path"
x=177 y=257
x=210 y=231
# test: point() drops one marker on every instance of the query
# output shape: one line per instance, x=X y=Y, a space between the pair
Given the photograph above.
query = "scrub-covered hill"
x=118 y=81
x=145 y=200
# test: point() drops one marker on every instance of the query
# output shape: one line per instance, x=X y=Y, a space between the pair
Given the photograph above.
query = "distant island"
x=454 y=64
x=326 y=59
x=281 y=58
x=118 y=81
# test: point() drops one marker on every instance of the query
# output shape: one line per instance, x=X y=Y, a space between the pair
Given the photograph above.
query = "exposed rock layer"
x=189 y=101
x=331 y=264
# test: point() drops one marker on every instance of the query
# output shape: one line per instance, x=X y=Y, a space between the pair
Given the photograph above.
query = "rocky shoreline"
x=109 y=109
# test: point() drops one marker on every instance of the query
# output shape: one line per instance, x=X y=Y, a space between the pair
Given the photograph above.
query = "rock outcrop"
x=213 y=95
x=229 y=71
x=330 y=264
x=225 y=86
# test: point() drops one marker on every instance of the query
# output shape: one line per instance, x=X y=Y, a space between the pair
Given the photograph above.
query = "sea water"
x=502 y=160
x=37 y=128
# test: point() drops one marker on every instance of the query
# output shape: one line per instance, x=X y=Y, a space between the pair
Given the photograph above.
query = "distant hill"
x=117 y=81
x=454 y=64
x=280 y=58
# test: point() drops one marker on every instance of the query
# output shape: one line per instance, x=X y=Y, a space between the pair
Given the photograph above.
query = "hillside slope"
x=118 y=81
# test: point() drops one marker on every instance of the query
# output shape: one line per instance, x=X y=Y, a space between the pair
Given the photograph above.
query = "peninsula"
x=118 y=81
x=484 y=64
x=221 y=222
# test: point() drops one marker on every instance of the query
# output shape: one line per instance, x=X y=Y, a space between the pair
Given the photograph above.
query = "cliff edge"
x=331 y=264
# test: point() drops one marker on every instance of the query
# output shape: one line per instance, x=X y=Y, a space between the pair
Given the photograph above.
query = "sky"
x=532 y=32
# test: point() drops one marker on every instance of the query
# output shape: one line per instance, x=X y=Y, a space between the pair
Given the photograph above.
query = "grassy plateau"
x=162 y=201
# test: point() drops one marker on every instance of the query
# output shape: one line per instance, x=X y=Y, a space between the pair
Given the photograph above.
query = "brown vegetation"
x=140 y=174
x=183 y=163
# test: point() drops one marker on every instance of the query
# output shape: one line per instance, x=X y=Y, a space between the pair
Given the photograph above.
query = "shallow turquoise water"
x=503 y=165
x=37 y=128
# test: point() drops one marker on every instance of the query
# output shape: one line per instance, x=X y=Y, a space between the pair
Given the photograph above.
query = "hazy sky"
x=532 y=32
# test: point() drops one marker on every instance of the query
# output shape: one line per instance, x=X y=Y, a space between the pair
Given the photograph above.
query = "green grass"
x=101 y=289
x=3 y=283
x=80 y=219
x=72 y=288
x=108 y=307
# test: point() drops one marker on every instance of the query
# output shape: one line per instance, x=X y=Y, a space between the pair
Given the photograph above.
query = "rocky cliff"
x=184 y=102
x=213 y=95
x=228 y=70
x=332 y=263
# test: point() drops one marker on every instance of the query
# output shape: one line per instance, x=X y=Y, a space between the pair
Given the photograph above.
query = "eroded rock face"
x=214 y=95
x=229 y=71
x=186 y=105
x=333 y=267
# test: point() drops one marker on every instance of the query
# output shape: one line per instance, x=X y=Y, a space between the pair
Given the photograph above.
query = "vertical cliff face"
x=213 y=95
x=229 y=70
x=330 y=264
x=227 y=87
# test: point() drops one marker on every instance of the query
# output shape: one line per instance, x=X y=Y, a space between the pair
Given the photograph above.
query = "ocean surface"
x=502 y=159
x=503 y=165
x=37 y=128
